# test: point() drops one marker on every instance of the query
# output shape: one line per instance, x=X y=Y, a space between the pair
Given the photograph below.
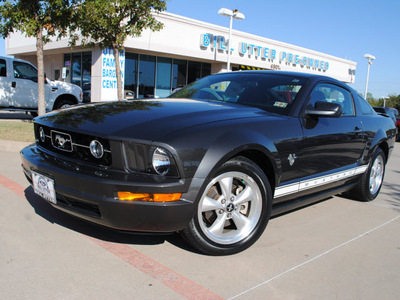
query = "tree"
x=370 y=98
x=391 y=101
x=39 y=19
x=109 y=22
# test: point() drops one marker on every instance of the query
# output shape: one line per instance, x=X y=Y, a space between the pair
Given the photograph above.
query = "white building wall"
x=96 y=73
x=183 y=38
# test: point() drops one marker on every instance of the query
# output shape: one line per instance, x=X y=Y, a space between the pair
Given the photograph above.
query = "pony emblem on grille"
x=61 y=141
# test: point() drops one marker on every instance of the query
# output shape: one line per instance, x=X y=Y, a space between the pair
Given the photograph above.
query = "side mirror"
x=129 y=94
x=325 y=109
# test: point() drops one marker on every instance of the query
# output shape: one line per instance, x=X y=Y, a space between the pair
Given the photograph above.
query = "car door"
x=331 y=143
x=4 y=84
x=24 y=85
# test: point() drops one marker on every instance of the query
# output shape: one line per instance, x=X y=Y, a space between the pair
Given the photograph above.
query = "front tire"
x=233 y=210
x=63 y=103
x=371 y=181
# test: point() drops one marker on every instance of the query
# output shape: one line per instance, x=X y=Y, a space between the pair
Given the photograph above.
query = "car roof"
x=286 y=73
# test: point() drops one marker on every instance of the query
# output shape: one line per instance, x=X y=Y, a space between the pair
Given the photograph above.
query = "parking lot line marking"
x=315 y=258
x=171 y=279
x=12 y=186
x=176 y=282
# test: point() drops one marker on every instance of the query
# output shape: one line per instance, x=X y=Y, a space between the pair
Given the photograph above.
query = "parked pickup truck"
x=19 y=88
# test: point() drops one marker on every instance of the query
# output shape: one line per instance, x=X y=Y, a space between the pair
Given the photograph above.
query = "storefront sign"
x=109 y=90
x=266 y=53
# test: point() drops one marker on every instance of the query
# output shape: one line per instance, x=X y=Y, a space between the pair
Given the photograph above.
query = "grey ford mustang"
x=214 y=160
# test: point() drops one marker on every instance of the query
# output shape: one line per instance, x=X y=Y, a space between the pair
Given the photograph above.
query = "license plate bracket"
x=44 y=187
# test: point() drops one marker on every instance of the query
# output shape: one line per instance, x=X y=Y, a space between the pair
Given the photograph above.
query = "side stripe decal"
x=318 y=181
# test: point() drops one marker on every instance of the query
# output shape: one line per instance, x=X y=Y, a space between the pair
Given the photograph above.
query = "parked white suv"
x=19 y=88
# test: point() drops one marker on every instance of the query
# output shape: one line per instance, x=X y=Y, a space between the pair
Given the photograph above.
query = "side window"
x=334 y=94
x=24 y=71
x=366 y=109
x=3 y=68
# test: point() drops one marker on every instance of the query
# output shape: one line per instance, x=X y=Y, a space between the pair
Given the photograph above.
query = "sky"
x=347 y=29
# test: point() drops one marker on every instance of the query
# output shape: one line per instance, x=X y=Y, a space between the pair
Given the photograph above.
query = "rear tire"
x=233 y=210
x=371 y=181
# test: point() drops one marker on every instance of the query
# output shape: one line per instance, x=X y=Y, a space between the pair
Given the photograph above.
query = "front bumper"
x=90 y=193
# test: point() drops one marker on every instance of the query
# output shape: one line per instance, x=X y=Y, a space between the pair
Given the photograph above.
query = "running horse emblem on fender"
x=291 y=159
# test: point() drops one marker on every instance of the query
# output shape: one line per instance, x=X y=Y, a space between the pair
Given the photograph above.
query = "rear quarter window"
x=366 y=109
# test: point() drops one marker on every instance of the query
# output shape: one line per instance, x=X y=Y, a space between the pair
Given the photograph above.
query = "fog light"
x=96 y=148
x=161 y=161
x=128 y=196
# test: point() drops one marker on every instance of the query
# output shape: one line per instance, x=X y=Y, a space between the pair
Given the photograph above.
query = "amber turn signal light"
x=128 y=196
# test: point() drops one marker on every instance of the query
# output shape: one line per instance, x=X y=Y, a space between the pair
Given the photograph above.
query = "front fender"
x=227 y=146
x=232 y=144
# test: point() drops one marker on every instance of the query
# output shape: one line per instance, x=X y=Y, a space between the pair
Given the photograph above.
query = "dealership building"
x=185 y=50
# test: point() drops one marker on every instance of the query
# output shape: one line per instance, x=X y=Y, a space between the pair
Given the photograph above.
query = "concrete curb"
x=12 y=146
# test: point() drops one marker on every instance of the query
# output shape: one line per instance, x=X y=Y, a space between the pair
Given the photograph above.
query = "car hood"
x=144 y=119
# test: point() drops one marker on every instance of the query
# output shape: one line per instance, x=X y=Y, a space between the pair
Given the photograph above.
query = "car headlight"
x=150 y=159
x=161 y=162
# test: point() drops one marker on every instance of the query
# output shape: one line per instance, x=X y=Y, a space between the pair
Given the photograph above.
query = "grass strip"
x=17 y=131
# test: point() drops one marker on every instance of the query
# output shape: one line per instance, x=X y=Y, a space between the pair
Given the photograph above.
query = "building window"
x=148 y=76
x=147 y=64
x=194 y=71
x=79 y=70
x=179 y=71
x=131 y=70
x=164 y=67
x=205 y=70
x=76 y=70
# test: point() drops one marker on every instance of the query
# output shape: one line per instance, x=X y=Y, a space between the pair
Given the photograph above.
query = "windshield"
x=272 y=92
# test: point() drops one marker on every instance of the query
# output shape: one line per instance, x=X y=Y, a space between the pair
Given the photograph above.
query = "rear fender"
x=380 y=140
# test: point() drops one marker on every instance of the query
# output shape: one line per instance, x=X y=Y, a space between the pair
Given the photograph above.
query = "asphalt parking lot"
x=336 y=249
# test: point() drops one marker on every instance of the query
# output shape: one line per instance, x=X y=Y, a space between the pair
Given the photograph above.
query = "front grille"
x=71 y=144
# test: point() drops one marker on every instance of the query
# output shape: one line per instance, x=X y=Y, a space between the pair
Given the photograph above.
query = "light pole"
x=232 y=14
x=370 y=58
x=384 y=101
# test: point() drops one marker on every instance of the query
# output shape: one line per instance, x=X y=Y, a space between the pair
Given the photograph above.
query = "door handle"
x=13 y=84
